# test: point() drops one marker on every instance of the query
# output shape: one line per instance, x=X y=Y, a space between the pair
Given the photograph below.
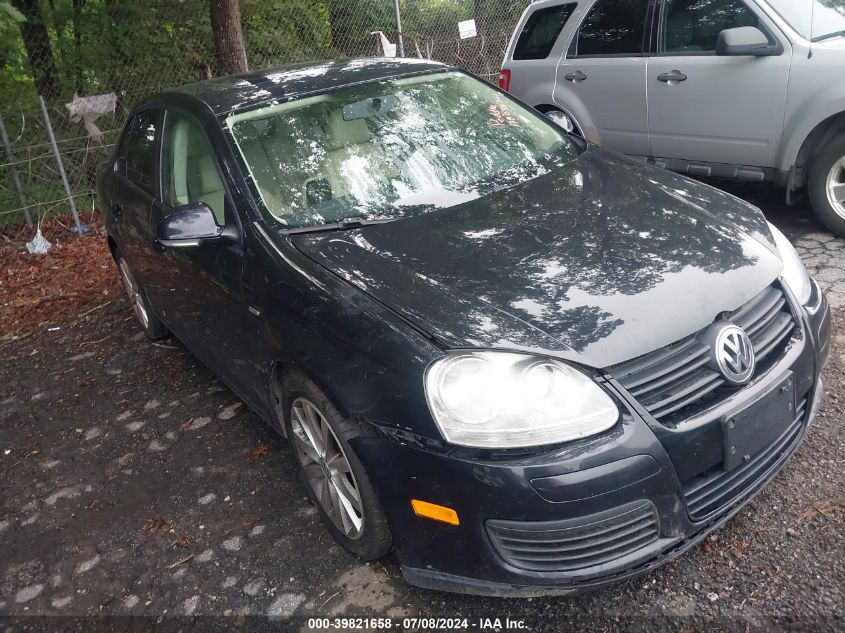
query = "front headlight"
x=794 y=274
x=504 y=400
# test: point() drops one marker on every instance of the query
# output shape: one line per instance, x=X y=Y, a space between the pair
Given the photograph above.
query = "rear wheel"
x=333 y=476
x=826 y=185
x=153 y=328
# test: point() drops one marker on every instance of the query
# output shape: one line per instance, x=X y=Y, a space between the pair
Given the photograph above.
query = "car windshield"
x=813 y=19
x=390 y=149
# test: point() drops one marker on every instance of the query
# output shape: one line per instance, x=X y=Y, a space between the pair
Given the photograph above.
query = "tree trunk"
x=36 y=40
x=228 y=37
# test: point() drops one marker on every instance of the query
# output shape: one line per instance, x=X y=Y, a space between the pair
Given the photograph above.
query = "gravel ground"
x=132 y=482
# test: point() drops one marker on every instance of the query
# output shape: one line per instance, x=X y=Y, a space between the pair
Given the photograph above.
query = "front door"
x=199 y=288
x=601 y=82
x=717 y=109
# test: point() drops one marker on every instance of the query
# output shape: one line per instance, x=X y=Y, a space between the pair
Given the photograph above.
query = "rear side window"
x=613 y=27
x=541 y=31
x=140 y=152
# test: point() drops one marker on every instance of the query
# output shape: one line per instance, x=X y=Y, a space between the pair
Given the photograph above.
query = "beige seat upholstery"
x=352 y=157
x=204 y=185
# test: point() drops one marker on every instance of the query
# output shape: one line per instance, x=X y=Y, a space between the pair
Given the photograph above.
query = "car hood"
x=598 y=262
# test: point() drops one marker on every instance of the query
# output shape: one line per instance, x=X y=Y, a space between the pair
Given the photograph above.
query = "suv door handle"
x=675 y=75
x=576 y=76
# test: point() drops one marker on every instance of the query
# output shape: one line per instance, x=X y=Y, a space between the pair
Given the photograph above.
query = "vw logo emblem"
x=734 y=354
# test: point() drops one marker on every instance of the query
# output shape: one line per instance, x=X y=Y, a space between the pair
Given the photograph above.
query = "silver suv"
x=745 y=89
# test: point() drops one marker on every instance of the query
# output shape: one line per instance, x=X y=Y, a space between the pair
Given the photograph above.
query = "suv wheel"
x=153 y=328
x=826 y=185
x=333 y=476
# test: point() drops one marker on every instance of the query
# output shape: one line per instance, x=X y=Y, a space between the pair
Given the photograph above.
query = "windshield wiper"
x=348 y=223
x=829 y=36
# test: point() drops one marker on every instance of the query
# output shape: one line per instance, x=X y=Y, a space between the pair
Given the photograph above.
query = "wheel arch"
x=280 y=370
x=818 y=137
x=808 y=128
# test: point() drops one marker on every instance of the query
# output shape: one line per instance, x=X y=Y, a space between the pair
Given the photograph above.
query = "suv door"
x=720 y=109
x=132 y=189
x=601 y=82
x=199 y=287
x=535 y=50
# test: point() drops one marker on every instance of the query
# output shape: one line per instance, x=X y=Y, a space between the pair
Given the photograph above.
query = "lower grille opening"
x=577 y=543
x=716 y=488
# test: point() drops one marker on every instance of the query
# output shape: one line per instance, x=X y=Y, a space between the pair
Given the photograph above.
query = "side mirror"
x=745 y=40
x=190 y=225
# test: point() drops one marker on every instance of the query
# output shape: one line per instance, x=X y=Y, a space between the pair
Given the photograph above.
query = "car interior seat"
x=352 y=158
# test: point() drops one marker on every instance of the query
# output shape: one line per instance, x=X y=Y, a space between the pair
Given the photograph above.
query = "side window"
x=140 y=151
x=694 y=25
x=541 y=31
x=189 y=170
x=613 y=27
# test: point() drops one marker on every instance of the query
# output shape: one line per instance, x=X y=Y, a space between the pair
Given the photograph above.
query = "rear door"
x=536 y=49
x=601 y=82
x=722 y=109
x=133 y=191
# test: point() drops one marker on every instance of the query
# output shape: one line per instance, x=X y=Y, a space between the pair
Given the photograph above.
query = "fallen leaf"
x=708 y=548
x=257 y=453
x=156 y=526
x=182 y=539
x=737 y=549
x=824 y=507
x=186 y=424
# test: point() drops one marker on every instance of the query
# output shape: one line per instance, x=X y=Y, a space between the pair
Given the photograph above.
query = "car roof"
x=247 y=90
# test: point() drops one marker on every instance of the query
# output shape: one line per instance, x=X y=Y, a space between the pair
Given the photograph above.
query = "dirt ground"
x=133 y=483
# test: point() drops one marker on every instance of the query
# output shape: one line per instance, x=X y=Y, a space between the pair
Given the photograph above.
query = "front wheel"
x=826 y=185
x=333 y=476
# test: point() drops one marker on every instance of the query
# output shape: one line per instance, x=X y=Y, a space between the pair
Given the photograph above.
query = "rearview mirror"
x=189 y=225
x=745 y=40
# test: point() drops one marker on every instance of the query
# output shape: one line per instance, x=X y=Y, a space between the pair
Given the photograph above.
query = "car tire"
x=826 y=172
x=150 y=323
x=333 y=489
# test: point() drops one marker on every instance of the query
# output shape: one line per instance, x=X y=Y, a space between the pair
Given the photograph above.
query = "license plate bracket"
x=747 y=432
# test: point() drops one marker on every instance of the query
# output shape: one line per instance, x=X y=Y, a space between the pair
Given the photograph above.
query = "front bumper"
x=590 y=512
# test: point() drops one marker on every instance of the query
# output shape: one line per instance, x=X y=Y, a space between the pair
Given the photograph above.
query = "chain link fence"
x=128 y=50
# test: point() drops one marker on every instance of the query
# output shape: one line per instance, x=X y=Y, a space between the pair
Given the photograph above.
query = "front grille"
x=669 y=382
x=575 y=543
x=715 y=488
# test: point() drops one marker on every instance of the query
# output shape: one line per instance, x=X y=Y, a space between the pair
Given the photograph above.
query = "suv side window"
x=691 y=26
x=189 y=171
x=541 y=31
x=613 y=27
x=141 y=150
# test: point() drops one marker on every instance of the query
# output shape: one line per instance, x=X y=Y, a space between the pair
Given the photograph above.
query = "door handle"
x=576 y=76
x=116 y=210
x=675 y=75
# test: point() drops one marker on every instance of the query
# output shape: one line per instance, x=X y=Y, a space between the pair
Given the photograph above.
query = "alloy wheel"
x=134 y=293
x=327 y=468
x=835 y=187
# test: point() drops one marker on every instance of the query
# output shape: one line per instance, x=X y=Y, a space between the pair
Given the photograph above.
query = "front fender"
x=814 y=110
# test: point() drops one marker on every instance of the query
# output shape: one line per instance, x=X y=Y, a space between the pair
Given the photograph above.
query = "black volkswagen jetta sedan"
x=526 y=364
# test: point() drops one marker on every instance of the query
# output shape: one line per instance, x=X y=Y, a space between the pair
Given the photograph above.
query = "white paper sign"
x=467 y=29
